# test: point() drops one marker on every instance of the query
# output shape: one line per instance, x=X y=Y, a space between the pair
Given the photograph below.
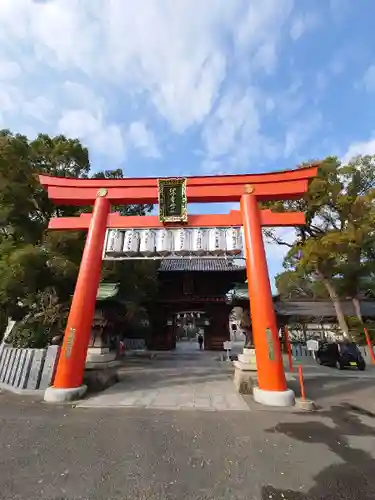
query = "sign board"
x=227 y=345
x=172 y=200
x=271 y=347
x=312 y=345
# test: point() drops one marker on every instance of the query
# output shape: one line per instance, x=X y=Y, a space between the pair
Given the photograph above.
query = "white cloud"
x=173 y=51
x=236 y=114
x=170 y=50
x=297 y=29
x=10 y=98
x=301 y=24
x=300 y=132
x=143 y=138
x=104 y=138
x=259 y=30
x=166 y=59
x=233 y=132
x=339 y=8
x=212 y=167
x=359 y=148
x=322 y=80
x=337 y=66
x=9 y=70
x=369 y=78
x=289 y=102
x=39 y=107
x=76 y=94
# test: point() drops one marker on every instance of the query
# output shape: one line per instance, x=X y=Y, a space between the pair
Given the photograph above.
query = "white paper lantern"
x=115 y=242
x=198 y=241
x=181 y=241
x=163 y=242
x=233 y=241
x=216 y=241
x=147 y=242
x=131 y=243
x=242 y=239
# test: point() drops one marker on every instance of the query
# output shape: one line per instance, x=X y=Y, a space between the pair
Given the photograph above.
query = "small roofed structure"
x=102 y=345
x=302 y=309
x=314 y=318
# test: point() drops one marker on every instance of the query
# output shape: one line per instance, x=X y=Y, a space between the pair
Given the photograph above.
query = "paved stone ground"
x=191 y=380
x=61 y=452
x=187 y=379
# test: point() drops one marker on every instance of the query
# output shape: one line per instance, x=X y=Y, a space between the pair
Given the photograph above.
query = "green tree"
x=293 y=284
x=355 y=231
x=24 y=205
x=335 y=247
x=39 y=268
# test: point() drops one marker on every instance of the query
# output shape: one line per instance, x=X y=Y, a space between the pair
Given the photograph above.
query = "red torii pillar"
x=69 y=374
x=272 y=389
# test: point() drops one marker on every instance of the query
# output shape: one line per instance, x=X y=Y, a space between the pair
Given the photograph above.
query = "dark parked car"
x=341 y=355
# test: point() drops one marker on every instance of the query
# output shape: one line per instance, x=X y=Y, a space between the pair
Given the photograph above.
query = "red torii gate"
x=102 y=193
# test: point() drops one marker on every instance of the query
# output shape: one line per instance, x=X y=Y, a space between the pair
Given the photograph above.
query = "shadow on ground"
x=352 y=480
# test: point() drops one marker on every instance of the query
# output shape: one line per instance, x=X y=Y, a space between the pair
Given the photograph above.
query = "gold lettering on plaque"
x=70 y=342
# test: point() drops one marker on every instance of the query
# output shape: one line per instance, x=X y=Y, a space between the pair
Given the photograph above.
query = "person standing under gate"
x=200 y=341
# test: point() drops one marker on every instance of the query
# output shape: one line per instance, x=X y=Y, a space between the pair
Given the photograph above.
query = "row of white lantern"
x=163 y=242
x=188 y=315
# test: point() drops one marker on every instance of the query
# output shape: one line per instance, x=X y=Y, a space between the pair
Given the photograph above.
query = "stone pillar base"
x=96 y=358
x=248 y=357
x=56 y=395
x=274 y=398
x=97 y=350
x=245 y=377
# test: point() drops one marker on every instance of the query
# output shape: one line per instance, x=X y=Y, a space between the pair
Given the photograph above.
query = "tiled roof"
x=205 y=265
x=305 y=308
x=322 y=308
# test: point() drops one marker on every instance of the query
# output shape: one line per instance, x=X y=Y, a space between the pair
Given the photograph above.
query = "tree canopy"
x=39 y=268
x=333 y=255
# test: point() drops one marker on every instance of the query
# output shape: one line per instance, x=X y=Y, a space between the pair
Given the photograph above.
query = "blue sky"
x=188 y=87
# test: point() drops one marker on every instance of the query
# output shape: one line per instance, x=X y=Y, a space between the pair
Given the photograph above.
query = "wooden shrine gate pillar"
x=69 y=375
x=272 y=388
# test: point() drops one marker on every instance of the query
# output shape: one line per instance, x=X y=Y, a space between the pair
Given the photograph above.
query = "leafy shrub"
x=46 y=318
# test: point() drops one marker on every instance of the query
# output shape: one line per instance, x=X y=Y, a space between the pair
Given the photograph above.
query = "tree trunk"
x=357 y=308
x=337 y=305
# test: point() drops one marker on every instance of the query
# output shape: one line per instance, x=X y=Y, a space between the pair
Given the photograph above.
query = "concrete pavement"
x=61 y=452
x=68 y=452
x=193 y=379
x=197 y=380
